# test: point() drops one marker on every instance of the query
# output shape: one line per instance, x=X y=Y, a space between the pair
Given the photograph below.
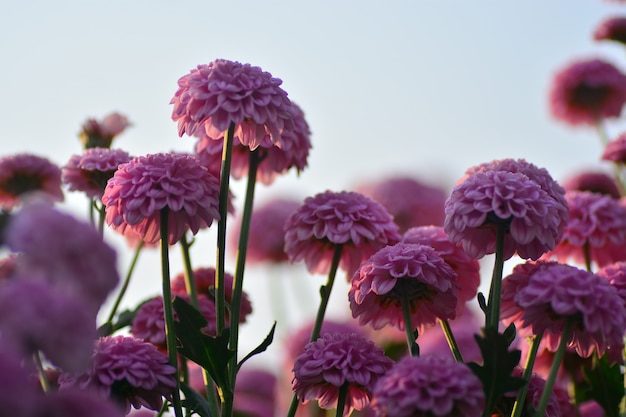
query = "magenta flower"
x=19 y=396
x=358 y=223
x=615 y=150
x=408 y=271
x=611 y=29
x=586 y=91
x=615 y=274
x=595 y=182
x=100 y=134
x=77 y=403
x=141 y=188
x=597 y=221
x=335 y=360
x=90 y=171
x=213 y=96
x=410 y=202
x=25 y=175
x=255 y=393
x=130 y=370
x=429 y=386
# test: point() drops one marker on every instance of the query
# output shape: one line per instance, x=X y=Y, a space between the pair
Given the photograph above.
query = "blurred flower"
x=536 y=384
x=615 y=150
x=141 y=188
x=100 y=134
x=24 y=175
x=336 y=360
x=586 y=91
x=611 y=29
x=18 y=395
x=79 y=403
x=591 y=408
x=615 y=274
x=358 y=223
x=255 y=394
x=429 y=386
x=410 y=202
x=213 y=96
x=90 y=171
x=595 y=182
x=128 y=370
x=8 y=266
x=405 y=271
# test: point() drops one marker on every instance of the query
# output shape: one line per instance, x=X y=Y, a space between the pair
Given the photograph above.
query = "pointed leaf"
x=261 y=348
x=604 y=383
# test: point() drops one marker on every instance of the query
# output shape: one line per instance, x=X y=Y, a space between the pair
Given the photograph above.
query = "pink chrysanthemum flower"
x=213 y=96
x=611 y=29
x=550 y=294
x=23 y=175
x=100 y=134
x=407 y=272
x=615 y=150
x=587 y=91
x=129 y=370
x=334 y=360
x=615 y=274
x=429 y=386
x=595 y=182
x=90 y=171
x=595 y=221
x=410 y=202
x=141 y=188
x=358 y=223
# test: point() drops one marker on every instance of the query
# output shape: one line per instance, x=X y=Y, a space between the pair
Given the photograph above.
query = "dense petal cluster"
x=90 y=171
x=586 y=91
x=615 y=274
x=141 y=188
x=403 y=273
x=429 y=386
x=611 y=29
x=595 y=182
x=334 y=360
x=615 y=150
x=100 y=133
x=213 y=96
x=25 y=175
x=329 y=219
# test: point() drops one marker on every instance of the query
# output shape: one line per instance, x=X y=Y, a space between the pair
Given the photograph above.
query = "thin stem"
x=528 y=370
x=454 y=347
x=43 y=378
x=408 y=327
x=341 y=399
x=587 y=255
x=493 y=315
x=190 y=282
x=125 y=283
x=101 y=216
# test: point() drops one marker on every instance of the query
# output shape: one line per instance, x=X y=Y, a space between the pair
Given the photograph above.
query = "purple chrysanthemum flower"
x=129 y=370
x=19 y=396
x=407 y=272
x=358 y=223
x=409 y=201
x=595 y=182
x=615 y=150
x=100 y=133
x=548 y=295
x=586 y=91
x=595 y=221
x=429 y=386
x=90 y=171
x=213 y=96
x=255 y=393
x=78 y=403
x=615 y=274
x=24 y=175
x=141 y=188
x=335 y=360
x=611 y=29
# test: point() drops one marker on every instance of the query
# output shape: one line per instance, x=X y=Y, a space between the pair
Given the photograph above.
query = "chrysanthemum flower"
x=100 y=134
x=328 y=219
x=19 y=396
x=335 y=360
x=78 y=402
x=128 y=370
x=255 y=393
x=586 y=91
x=536 y=384
x=23 y=175
x=141 y=188
x=595 y=182
x=213 y=96
x=8 y=266
x=403 y=272
x=410 y=202
x=429 y=386
x=615 y=274
x=90 y=171
x=615 y=150
x=611 y=29
x=597 y=221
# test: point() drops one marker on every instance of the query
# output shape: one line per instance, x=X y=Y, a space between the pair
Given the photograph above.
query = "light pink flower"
x=25 y=175
x=141 y=188
x=128 y=369
x=409 y=270
x=595 y=182
x=100 y=134
x=358 y=223
x=586 y=91
x=90 y=171
x=334 y=360
x=611 y=29
x=615 y=150
x=213 y=96
x=410 y=202
x=429 y=386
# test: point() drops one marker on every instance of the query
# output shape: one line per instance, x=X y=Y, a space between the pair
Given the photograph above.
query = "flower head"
x=429 y=386
x=611 y=29
x=535 y=388
x=255 y=393
x=141 y=188
x=615 y=274
x=326 y=220
x=23 y=175
x=595 y=182
x=213 y=96
x=615 y=150
x=90 y=171
x=334 y=360
x=587 y=91
x=100 y=134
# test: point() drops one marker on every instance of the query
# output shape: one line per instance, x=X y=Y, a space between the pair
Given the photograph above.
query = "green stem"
x=587 y=255
x=341 y=399
x=125 y=283
x=408 y=327
x=43 y=378
x=528 y=370
x=190 y=282
x=168 y=311
x=101 y=217
x=493 y=315
x=454 y=347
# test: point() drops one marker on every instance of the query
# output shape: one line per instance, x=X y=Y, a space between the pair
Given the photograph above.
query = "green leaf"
x=261 y=348
x=604 y=383
x=196 y=402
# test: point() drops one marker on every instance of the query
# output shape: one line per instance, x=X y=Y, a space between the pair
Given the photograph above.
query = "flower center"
x=21 y=183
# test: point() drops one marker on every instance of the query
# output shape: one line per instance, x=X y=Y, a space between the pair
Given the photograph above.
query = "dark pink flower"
x=615 y=274
x=429 y=386
x=79 y=403
x=141 y=188
x=255 y=393
x=615 y=150
x=358 y=223
x=90 y=171
x=334 y=360
x=595 y=182
x=100 y=134
x=598 y=221
x=586 y=91
x=408 y=271
x=127 y=369
x=410 y=202
x=213 y=96
x=25 y=175
x=611 y=29
x=591 y=408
